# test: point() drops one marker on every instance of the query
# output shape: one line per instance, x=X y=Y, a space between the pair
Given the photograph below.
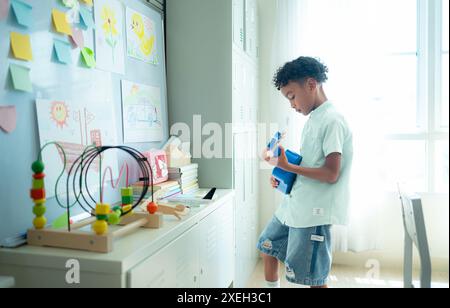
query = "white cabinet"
x=174 y=266
x=217 y=248
x=201 y=257
x=251 y=28
x=238 y=23
x=245 y=26
x=196 y=251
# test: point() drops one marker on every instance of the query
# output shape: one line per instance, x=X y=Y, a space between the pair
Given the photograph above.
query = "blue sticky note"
x=23 y=12
x=86 y=19
x=63 y=51
x=21 y=78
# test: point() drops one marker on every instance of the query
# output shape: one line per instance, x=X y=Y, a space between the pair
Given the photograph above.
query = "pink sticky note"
x=8 y=118
x=4 y=8
x=77 y=38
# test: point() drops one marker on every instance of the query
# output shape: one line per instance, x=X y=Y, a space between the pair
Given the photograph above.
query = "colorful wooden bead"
x=39 y=202
x=38 y=166
x=152 y=207
x=114 y=218
x=102 y=217
x=127 y=192
x=40 y=222
x=127 y=209
x=39 y=176
x=102 y=209
x=37 y=194
x=39 y=210
x=38 y=184
x=127 y=199
x=100 y=227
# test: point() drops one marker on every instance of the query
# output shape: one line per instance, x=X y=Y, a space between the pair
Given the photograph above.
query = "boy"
x=299 y=233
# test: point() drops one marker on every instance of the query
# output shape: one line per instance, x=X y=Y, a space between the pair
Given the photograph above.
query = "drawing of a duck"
x=147 y=44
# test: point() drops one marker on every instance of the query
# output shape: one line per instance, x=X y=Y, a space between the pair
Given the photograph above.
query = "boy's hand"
x=280 y=161
x=274 y=182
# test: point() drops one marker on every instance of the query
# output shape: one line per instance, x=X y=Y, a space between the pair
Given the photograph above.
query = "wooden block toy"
x=37 y=194
x=39 y=176
x=101 y=239
x=152 y=207
x=38 y=184
x=127 y=192
x=102 y=209
x=39 y=210
x=40 y=222
x=127 y=199
x=38 y=166
x=39 y=201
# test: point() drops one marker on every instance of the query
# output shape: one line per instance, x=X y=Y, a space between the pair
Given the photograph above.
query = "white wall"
x=436 y=207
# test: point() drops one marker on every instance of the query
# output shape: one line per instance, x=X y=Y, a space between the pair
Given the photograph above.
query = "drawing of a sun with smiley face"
x=59 y=114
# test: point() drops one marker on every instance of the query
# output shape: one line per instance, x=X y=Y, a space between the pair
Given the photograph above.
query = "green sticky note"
x=21 y=78
x=23 y=12
x=88 y=57
x=63 y=50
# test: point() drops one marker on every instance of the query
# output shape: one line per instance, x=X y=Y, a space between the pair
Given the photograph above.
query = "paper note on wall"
x=88 y=57
x=86 y=18
x=23 y=12
x=21 y=78
x=8 y=118
x=4 y=9
x=60 y=22
x=63 y=50
x=77 y=38
x=88 y=2
x=21 y=46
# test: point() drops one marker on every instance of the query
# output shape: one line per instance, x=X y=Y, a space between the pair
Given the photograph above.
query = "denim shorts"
x=306 y=252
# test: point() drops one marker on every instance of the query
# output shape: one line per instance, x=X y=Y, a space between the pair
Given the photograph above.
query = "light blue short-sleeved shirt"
x=311 y=202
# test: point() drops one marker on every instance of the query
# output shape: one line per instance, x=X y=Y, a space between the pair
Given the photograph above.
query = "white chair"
x=415 y=235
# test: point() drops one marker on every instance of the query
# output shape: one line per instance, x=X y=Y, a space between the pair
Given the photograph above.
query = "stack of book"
x=187 y=178
x=164 y=190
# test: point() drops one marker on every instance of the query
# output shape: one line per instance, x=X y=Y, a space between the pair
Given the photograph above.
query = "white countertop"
x=128 y=251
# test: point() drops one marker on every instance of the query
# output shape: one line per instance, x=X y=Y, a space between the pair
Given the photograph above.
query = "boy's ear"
x=311 y=84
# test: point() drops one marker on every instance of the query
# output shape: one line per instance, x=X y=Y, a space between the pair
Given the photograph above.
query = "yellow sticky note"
x=21 y=46
x=60 y=22
x=88 y=2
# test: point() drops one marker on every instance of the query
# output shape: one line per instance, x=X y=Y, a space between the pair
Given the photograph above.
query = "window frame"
x=429 y=87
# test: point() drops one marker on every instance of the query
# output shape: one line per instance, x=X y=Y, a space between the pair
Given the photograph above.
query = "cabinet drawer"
x=176 y=265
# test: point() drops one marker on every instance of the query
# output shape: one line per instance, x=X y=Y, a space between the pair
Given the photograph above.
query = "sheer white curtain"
x=348 y=36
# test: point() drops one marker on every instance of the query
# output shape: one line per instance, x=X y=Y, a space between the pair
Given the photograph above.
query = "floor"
x=349 y=277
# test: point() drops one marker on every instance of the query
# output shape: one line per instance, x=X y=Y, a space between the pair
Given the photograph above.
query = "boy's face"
x=301 y=95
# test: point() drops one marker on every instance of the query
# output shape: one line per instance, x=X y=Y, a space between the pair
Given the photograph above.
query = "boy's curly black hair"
x=300 y=70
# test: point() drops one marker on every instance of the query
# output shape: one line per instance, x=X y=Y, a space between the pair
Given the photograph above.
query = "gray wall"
x=199 y=73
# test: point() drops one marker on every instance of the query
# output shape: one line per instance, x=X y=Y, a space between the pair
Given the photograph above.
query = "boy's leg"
x=273 y=245
x=308 y=260
x=271 y=268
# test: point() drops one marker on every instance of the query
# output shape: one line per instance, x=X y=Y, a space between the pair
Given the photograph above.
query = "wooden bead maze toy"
x=103 y=215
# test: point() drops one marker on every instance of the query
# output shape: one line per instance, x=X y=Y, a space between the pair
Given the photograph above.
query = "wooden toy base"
x=79 y=240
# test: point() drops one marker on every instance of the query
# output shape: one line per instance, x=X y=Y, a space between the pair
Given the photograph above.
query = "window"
x=389 y=72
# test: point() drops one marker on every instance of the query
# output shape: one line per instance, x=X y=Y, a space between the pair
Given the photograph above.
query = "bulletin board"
x=57 y=75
